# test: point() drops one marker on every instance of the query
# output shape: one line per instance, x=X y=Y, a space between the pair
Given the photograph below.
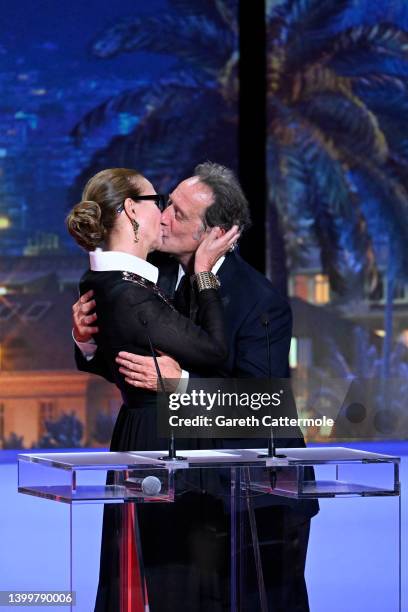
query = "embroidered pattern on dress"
x=143 y=282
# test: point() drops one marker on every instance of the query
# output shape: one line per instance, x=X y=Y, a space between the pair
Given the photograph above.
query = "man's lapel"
x=168 y=272
x=229 y=277
x=182 y=297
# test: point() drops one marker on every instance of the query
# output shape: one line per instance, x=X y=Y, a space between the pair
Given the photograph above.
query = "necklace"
x=143 y=282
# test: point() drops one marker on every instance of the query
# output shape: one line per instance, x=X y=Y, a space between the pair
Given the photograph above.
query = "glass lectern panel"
x=141 y=529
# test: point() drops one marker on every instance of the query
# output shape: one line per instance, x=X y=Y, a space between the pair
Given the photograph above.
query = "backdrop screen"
x=146 y=85
x=337 y=216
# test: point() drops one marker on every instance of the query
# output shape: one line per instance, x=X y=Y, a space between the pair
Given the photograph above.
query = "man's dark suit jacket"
x=248 y=298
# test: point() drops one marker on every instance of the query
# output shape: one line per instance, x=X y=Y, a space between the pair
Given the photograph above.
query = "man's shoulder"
x=256 y=283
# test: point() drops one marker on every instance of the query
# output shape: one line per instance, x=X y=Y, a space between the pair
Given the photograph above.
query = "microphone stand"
x=271 y=440
x=172 y=453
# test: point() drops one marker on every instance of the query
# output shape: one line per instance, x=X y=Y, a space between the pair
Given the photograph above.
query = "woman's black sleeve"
x=97 y=365
x=138 y=314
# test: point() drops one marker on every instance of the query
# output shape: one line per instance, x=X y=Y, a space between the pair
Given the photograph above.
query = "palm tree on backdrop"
x=338 y=144
x=337 y=141
x=184 y=118
x=337 y=110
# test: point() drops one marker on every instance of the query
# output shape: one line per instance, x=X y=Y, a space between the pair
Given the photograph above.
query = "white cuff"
x=88 y=349
x=183 y=382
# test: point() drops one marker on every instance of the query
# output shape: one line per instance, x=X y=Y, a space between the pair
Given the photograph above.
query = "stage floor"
x=351 y=559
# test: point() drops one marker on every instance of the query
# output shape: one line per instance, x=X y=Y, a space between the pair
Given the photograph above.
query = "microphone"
x=264 y=319
x=150 y=485
x=265 y=322
x=142 y=319
x=145 y=323
x=172 y=455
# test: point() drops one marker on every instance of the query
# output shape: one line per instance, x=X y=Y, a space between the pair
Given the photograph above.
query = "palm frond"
x=312 y=15
x=228 y=11
x=337 y=99
x=345 y=243
x=297 y=29
x=385 y=208
x=288 y=189
x=130 y=101
x=186 y=7
x=197 y=40
x=385 y=37
x=361 y=63
x=381 y=49
x=355 y=50
x=398 y=171
x=275 y=67
x=222 y=11
x=318 y=80
x=327 y=198
x=167 y=135
x=309 y=24
x=137 y=101
x=347 y=121
x=380 y=86
x=387 y=98
x=358 y=50
x=395 y=130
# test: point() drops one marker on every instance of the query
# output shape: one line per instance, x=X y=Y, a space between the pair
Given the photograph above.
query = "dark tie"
x=182 y=296
x=185 y=299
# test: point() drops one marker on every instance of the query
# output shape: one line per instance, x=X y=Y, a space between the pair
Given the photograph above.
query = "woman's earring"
x=135 y=226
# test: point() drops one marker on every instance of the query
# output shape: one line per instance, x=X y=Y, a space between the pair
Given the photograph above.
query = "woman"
x=120 y=210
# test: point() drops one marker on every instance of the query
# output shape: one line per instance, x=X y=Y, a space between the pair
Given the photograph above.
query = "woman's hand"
x=214 y=246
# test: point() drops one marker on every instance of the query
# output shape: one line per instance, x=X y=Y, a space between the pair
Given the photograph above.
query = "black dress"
x=182 y=551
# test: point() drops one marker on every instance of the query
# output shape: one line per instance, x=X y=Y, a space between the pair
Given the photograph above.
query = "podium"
x=130 y=480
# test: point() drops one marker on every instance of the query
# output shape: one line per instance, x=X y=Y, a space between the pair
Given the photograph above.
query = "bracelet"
x=206 y=280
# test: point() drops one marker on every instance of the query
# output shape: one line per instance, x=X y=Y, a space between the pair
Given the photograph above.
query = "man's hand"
x=82 y=320
x=141 y=372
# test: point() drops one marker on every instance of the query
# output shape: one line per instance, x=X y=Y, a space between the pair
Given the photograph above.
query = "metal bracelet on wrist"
x=206 y=280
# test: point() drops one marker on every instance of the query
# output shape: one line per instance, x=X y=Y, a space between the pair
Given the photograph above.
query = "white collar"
x=215 y=269
x=104 y=261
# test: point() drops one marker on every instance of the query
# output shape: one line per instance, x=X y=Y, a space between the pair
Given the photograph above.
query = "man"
x=213 y=197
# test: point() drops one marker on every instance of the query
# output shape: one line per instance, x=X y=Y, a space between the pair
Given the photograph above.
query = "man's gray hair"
x=230 y=206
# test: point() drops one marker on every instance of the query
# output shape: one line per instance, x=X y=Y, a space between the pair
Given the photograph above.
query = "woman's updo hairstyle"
x=91 y=221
